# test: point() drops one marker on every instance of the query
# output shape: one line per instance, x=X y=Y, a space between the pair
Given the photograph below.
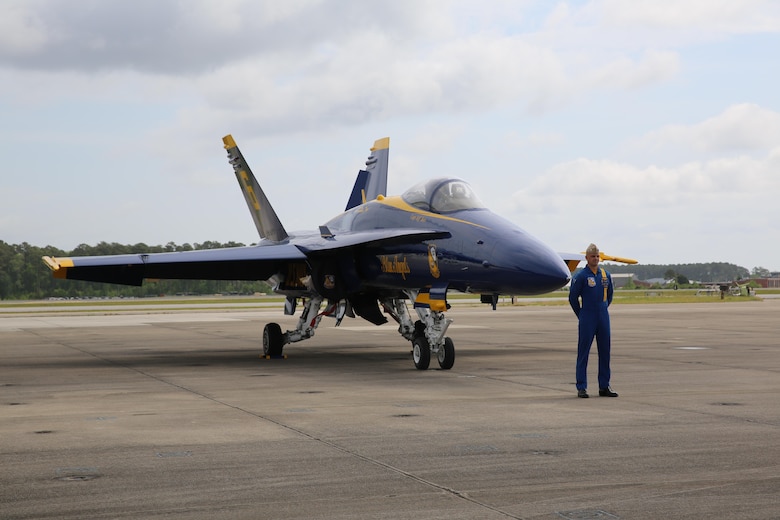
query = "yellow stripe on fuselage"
x=401 y=204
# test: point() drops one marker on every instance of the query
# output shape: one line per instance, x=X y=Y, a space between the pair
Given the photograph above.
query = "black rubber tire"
x=421 y=353
x=446 y=355
x=273 y=340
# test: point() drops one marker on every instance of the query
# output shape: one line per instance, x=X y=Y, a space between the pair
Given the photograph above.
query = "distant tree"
x=760 y=272
x=682 y=279
x=670 y=274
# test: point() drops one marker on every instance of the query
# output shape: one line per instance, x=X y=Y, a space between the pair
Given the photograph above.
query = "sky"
x=649 y=128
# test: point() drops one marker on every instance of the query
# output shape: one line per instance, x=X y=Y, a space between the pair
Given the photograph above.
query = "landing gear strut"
x=426 y=334
x=274 y=339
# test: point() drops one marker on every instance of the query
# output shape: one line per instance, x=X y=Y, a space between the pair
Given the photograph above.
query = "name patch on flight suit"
x=591 y=281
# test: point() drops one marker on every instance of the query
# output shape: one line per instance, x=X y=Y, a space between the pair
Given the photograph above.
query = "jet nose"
x=552 y=273
x=531 y=267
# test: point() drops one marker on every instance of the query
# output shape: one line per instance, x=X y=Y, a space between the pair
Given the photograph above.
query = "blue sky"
x=649 y=128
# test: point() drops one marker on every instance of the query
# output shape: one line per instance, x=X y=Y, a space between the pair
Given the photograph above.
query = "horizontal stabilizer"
x=267 y=222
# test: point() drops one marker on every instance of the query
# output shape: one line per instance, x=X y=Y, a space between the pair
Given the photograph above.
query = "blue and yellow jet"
x=370 y=260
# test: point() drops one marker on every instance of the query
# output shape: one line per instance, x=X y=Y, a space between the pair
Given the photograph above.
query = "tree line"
x=702 y=272
x=23 y=275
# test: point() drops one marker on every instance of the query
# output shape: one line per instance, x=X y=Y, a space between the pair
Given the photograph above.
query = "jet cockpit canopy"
x=442 y=196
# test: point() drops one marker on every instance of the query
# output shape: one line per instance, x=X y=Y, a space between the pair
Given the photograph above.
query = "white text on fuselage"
x=391 y=264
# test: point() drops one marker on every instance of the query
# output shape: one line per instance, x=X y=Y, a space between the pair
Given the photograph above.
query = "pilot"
x=594 y=286
x=458 y=190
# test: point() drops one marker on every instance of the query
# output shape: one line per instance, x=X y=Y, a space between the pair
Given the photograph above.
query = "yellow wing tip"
x=610 y=258
x=381 y=144
x=58 y=266
x=617 y=259
x=229 y=142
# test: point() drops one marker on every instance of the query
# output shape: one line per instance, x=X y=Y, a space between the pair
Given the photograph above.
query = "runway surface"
x=174 y=415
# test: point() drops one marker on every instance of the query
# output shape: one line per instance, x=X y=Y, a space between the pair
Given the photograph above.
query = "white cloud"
x=589 y=183
x=699 y=211
x=742 y=127
x=21 y=29
x=625 y=73
x=708 y=16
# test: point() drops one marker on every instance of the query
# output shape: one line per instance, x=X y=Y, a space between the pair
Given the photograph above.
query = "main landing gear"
x=426 y=334
x=274 y=339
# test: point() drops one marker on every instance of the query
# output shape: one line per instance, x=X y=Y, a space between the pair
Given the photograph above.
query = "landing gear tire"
x=273 y=340
x=446 y=356
x=421 y=353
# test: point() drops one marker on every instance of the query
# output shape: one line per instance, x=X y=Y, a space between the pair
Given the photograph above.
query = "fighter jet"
x=373 y=260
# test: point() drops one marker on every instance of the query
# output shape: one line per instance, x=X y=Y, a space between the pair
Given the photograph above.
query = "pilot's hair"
x=592 y=249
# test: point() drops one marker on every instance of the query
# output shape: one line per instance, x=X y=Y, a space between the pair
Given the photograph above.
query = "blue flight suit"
x=595 y=289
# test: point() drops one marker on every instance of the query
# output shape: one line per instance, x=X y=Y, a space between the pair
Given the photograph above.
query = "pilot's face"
x=592 y=259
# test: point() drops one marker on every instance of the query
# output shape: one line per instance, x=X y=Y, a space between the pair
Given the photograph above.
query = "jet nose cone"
x=532 y=268
x=547 y=272
x=553 y=273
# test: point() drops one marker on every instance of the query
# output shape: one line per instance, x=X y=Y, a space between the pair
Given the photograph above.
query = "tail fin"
x=372 y=181
x=358 y=195
x=267 y=222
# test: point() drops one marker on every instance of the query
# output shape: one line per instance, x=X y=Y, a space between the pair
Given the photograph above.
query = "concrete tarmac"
x=174 y=415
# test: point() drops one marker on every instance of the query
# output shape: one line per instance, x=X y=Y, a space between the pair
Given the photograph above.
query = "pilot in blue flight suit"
x=594 y=286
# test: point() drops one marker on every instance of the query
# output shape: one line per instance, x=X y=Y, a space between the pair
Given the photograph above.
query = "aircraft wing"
x=620 y=259
x=258 y=262
x=572 y=260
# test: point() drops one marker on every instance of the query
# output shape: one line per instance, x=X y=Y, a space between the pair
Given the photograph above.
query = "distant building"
x=621 y=279
x=768 y=283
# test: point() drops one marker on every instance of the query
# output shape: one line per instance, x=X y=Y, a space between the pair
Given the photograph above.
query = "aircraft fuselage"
x=484 y=253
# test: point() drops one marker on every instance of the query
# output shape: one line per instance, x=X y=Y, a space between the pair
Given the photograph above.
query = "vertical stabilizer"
x=358 y=195
x=267 y=222
x=376 y=166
